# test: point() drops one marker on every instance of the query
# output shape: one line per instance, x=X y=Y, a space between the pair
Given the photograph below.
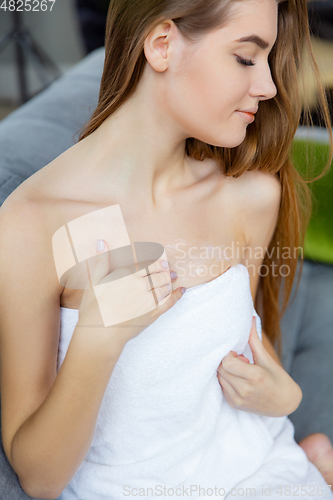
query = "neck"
x=140 y=151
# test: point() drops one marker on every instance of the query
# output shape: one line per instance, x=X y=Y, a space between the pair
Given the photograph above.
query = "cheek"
x=203 y=99
x=208 y=93
x=205 y=89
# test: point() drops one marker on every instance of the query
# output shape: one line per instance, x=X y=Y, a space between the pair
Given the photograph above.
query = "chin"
x=228 y=138
x=231 y=139
x=231 y=143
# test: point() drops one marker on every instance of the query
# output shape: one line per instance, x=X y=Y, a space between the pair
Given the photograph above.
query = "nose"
x=263 y=85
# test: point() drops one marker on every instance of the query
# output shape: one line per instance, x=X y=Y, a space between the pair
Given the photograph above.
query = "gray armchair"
x=43 y=128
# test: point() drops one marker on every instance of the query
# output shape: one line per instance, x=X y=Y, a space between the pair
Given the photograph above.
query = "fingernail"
x=173 y=275
x=100 y=245
x=165 y=263
x=183 y=290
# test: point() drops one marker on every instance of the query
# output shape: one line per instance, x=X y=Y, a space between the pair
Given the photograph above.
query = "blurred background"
x=36 y=47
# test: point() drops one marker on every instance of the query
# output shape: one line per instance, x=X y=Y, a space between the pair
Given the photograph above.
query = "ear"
x=157 y=44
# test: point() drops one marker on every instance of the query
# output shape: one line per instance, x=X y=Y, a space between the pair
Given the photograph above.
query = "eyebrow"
x=254 y=39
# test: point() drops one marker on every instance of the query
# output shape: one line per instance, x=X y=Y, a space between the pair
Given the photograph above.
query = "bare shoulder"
x=259 y=189
x=258 y=196
x=19 y=215
x=26 y=226
x=28 y=209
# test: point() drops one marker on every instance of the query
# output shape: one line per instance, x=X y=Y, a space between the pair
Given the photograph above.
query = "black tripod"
x=27 y=48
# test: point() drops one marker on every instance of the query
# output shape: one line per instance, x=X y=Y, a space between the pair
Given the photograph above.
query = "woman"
x=174 y=151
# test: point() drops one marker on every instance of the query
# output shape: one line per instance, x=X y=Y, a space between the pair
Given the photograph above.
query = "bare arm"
x=261 y=222
x=51 y=444
x=260 y=219
x=264 y=387
x=48 y=419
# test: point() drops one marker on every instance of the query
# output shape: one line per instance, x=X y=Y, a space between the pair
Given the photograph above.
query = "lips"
x=249 y=110
x=249 y=117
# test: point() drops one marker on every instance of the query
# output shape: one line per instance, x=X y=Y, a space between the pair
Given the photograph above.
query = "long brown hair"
x=268 y=143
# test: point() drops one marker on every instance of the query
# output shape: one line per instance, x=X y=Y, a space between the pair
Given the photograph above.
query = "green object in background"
x=318 y=244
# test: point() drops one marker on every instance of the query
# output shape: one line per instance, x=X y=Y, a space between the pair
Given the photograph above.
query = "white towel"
x=164 y=422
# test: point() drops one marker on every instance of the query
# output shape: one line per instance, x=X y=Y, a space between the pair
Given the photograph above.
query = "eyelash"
x=245 y=62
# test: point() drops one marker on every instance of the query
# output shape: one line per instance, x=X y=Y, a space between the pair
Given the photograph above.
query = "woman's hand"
x=263 y=388
x=138 y=291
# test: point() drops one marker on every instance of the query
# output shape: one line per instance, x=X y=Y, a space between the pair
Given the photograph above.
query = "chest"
x=199 y=239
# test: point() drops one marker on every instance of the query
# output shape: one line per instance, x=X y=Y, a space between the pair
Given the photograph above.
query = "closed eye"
x=245 y=62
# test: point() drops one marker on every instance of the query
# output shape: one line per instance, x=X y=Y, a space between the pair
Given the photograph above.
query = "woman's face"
x=208 y=82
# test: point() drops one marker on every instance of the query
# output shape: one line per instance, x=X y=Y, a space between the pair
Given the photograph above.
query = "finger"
x=236 y=367
x=157 y=267
x=159 y=275
x=243 y=358
x=234 y=380
x=256 y=345
x=228 y=391
x=99 y=266
x=158 y=280
x=223 y=374
x=163 y=290
x=166 y=303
